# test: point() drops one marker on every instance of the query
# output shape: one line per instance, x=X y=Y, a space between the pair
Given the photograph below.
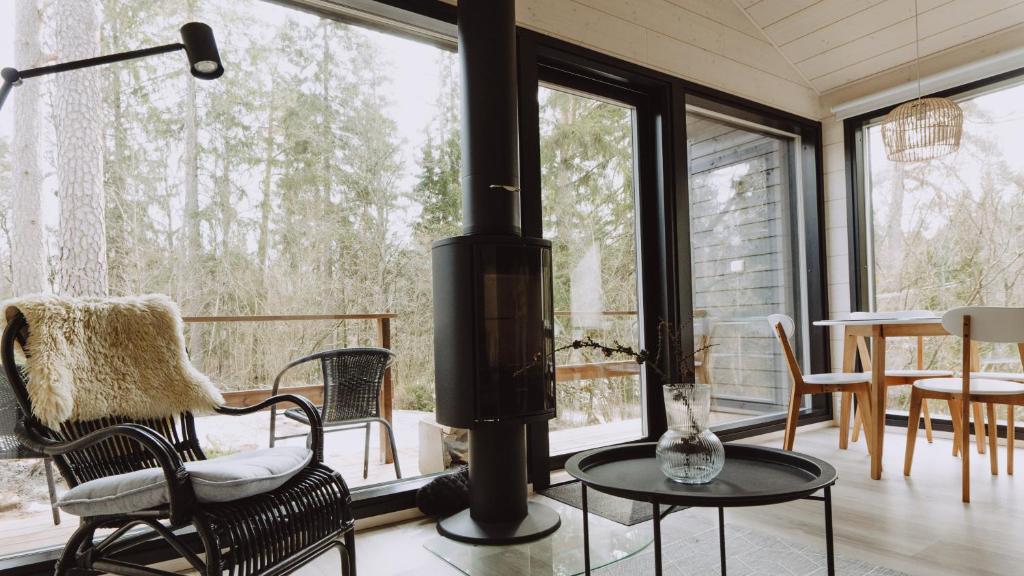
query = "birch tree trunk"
x=79 y=127
x=28 y=252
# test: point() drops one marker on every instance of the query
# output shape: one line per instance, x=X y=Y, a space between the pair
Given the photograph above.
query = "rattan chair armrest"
x=182 y=495
x=315 y=421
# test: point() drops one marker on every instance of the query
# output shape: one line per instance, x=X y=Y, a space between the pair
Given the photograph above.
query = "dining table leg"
x=846 y=406
x=879 y=400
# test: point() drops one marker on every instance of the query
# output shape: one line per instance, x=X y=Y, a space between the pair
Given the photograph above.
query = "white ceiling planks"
x=767 y=12
x=833 y=43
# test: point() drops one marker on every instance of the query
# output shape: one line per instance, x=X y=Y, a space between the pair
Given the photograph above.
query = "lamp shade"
x=201 y=49
x=922 y=129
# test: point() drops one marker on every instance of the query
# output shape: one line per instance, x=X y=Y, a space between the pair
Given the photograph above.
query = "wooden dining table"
x=878 y=330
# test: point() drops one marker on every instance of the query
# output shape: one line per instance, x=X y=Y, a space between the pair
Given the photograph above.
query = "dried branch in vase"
x=684 y=361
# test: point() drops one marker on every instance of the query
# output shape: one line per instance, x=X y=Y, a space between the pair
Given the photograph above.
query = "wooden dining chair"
x=858 y=383
x=896 y=377
x=973 y=324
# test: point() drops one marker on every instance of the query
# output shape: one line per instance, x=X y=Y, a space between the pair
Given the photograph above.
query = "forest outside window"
x=310 y=179
x=948 y=232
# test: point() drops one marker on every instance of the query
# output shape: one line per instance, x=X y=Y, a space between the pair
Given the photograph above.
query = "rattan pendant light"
x=924 y=128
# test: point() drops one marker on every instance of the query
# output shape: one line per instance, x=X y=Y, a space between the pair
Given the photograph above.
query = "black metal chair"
x=268 y=534
x=352 y=384
x=11 y=449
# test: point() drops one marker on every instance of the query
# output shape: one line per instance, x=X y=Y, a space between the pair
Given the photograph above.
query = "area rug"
x=621 y=510
x=751 y=553
x=690 y=548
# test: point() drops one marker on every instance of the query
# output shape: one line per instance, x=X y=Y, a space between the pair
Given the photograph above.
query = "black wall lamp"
x=196 y=40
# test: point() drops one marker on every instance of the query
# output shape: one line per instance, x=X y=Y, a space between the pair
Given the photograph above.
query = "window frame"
x=857 y=216
x=660 y=101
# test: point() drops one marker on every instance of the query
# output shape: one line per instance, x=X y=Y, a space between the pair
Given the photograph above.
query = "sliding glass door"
x=745 y=239
x=587 y=159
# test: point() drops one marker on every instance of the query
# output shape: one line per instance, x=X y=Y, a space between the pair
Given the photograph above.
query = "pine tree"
x=78 y=117
x=439 y=190
x=28 y=252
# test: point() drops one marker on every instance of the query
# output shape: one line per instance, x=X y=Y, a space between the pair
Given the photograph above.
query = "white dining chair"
x=783 y=328
x=973 y=324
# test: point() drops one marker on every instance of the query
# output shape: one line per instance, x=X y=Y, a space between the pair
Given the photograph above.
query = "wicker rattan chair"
x=268 y=534
x=11 y=449
x=352 y=384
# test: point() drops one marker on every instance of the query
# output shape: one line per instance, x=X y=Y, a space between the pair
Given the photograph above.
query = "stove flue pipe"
x=490 y=117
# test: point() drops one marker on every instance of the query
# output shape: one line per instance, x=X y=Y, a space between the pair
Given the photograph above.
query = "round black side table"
x=752 y=476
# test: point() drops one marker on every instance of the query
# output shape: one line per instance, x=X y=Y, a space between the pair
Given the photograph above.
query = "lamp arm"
x=99 y=60
x=13 y=77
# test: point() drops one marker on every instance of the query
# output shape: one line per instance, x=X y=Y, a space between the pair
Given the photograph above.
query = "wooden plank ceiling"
x=832 y=43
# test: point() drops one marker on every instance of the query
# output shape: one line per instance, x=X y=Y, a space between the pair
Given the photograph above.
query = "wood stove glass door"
x=588 y=159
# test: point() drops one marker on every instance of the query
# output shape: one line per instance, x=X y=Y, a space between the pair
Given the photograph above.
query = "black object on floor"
x=445 y=495
x=625 y=512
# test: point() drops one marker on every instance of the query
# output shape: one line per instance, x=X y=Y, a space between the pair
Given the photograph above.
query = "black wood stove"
x=493 y=315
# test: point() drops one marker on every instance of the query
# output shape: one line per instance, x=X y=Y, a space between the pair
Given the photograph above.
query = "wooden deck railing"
x=316 y=393
x=584 y=371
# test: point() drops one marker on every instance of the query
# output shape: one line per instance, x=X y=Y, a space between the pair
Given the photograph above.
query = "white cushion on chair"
x=838 y=378
x=978 y=386
x=223 y=479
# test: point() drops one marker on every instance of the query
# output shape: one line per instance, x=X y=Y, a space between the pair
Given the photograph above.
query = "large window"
x=745 y=245
x=310 y=179
x=950 y=232
x=589 y=204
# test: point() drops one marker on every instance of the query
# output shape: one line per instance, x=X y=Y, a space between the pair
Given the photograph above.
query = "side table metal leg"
x=657 y=539
x=586 y=532
x=830 y=554
x=721 y=536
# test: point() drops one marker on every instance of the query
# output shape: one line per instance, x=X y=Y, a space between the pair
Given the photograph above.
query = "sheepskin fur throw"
x=91 y=358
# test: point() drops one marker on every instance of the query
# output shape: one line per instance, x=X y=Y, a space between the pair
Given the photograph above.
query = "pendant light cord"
x=917 y=48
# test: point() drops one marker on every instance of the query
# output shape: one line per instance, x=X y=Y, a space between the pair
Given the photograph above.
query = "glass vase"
x=688 y=452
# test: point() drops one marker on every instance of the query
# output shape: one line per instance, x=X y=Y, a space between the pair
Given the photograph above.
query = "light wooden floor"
x=916 y=525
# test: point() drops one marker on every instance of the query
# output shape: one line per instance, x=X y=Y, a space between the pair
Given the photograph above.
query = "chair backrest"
x=783 y=328
x=108 y=457
x=352 y=382
x=997 y=324
x=988 y=323
x=788 y=326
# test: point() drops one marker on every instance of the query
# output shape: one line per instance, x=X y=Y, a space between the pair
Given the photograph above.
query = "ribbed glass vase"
x=688 y=452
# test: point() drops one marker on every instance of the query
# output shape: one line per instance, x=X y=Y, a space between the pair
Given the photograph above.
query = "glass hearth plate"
x=560 y=554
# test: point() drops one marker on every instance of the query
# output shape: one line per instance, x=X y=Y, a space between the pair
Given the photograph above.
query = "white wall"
x=836 y=231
